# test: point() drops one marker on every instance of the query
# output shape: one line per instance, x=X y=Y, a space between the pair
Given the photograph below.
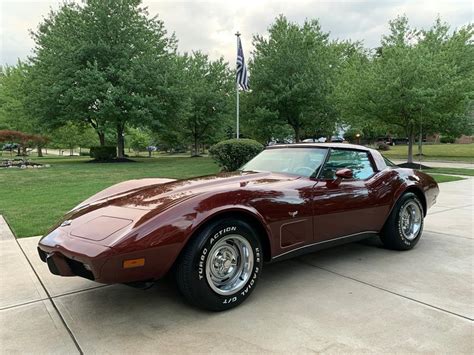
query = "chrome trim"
x=410 y=220
x=324 y=241
x=229 y=264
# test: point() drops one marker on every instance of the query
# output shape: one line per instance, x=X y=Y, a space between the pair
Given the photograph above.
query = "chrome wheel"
x=229 y=264
x=410 y=220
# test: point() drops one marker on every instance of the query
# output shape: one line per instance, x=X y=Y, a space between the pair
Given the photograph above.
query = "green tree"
x=13 y=114
x=291 y=77
x=71 y=136
x=416 y=79
x=138 y=139
x=261 y=123
x=206 y=87
x=14 y=111
x=105 y=63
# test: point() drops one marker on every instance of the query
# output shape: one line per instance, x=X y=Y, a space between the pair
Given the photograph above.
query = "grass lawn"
x=433 y=152
x=446 y=178
x=34 y=199
x=453 y=171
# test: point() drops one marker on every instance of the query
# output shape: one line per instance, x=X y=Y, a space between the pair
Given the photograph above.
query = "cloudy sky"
x=210 y=25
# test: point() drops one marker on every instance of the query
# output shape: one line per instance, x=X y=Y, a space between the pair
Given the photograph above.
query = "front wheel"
x=220 y=266
x=404 y=226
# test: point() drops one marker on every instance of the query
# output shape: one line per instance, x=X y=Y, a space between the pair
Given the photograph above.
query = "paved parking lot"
x=355 y=298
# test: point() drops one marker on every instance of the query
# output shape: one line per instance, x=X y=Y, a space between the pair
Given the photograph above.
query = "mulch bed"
x=414 y=166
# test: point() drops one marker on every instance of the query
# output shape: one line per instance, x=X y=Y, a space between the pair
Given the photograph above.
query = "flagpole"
x=237 y=90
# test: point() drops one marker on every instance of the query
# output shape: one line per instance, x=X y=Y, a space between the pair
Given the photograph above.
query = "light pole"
x=358 y=138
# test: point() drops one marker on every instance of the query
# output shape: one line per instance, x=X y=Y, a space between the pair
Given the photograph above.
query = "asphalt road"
x=354 y=298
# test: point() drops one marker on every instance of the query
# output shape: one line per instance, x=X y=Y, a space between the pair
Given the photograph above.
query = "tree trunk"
x=101 y=138
x=40 y=152
x=123 y=145
x=420 y=145
x=120 y=141
x=196 y=152
x=297 y=133
x=411 y=140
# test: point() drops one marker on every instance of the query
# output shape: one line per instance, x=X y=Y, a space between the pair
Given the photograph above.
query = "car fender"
x=172 y=229
x=403 y=188
x=251 y=212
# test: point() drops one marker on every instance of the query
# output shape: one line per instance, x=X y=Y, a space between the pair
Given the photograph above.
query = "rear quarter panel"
x=414 y=179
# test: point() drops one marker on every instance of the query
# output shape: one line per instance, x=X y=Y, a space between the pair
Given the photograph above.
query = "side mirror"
x=344 y=173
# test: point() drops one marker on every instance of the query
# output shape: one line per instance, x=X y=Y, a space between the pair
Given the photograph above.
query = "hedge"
x=234 y=153
x=103 y=153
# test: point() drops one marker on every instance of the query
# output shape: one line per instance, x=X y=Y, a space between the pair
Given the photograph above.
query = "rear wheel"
x=220 y=266
x=404 y=226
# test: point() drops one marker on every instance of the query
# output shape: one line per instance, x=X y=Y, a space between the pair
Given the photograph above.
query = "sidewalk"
x=354 y=298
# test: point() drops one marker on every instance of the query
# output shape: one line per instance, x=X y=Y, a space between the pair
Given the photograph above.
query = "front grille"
x=42 y=255
x=79 y=269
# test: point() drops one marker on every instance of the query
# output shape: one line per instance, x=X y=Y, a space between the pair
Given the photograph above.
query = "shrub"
x=103 y=153
x=233 y=153
x=382 y=146
x=447 y=139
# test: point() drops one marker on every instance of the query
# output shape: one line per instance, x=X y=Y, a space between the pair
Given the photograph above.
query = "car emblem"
x=66 y=223
x=293 y=214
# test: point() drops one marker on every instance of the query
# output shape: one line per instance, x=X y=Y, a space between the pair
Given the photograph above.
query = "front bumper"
x=63 y=266
x=66 y=256
x=72 y=256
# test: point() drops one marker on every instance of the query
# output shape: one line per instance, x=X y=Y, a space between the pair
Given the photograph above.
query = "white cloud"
x=210 y=25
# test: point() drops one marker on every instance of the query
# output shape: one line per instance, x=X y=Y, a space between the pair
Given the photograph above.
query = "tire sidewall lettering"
x=221 y=233
x=208 y=246
x=204 y=254
x=202 y=264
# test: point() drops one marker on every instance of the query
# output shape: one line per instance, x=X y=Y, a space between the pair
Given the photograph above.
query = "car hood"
x=123 y=207
x=152 y=194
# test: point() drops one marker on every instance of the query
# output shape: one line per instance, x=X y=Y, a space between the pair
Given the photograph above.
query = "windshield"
x=296 y=161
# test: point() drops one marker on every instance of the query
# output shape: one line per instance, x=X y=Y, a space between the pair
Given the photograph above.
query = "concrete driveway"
x=355 y=298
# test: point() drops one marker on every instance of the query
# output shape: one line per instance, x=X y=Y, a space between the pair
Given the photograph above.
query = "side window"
x=357 y=161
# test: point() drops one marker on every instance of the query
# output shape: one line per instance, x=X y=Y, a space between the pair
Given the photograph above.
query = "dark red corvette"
x=215 y=232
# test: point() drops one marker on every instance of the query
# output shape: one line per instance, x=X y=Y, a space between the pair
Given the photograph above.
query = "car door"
x=286 y=199
x=344 y=207
x=295 y=223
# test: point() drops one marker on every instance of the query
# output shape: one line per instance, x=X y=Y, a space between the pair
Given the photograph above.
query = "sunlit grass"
x=446 y=178
x=34 y=199
x=443 y=152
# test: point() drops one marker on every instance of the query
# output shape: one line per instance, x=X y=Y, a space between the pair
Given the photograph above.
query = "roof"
x=322 y=145
x=377 y=157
